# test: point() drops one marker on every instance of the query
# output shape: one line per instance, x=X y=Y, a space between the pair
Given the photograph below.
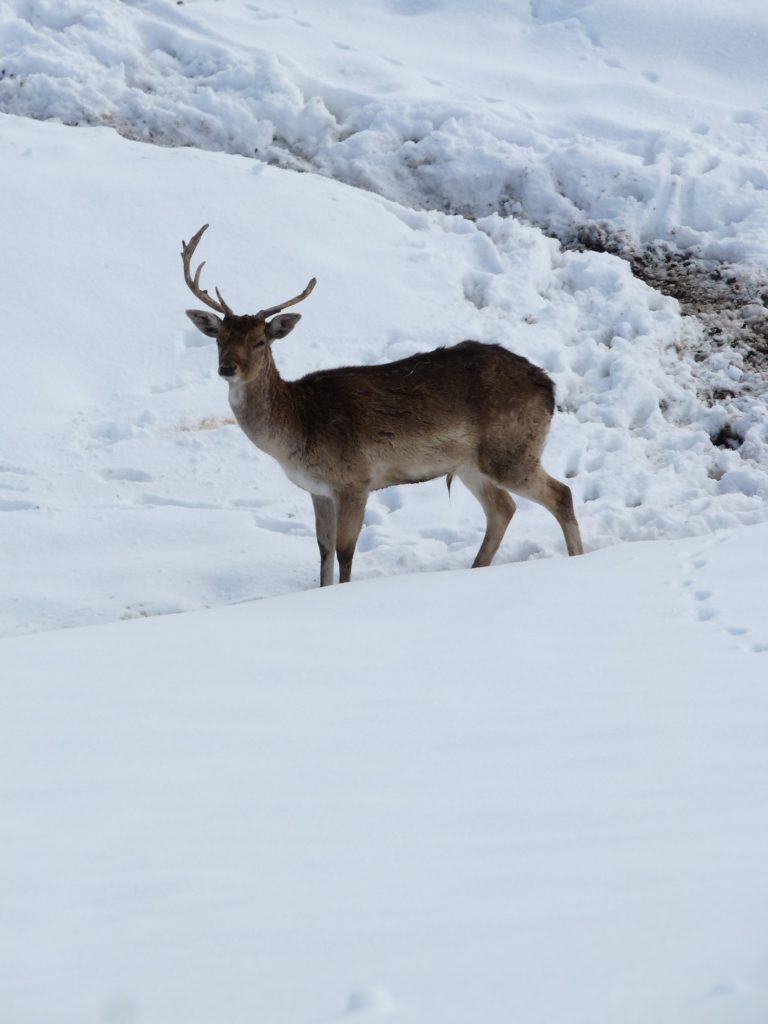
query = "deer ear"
x=279 y=326
x=208 y=323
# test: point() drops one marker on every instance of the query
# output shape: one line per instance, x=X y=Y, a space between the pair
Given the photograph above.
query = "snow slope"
x=125 y=492
x=649 y=119
x=577 y=116
x=533 y=792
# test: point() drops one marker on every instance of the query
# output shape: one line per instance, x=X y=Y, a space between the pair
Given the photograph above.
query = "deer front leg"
x=350 y=509
x=325 y=528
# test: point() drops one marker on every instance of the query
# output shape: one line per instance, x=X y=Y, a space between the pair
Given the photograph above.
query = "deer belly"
x=414 y=462
x=409 y=473
x=304 y=479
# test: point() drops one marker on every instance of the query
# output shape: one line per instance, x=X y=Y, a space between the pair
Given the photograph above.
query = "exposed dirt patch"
x=730 y=301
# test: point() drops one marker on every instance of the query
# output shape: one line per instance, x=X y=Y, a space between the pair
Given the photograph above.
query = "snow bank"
x=647 y=120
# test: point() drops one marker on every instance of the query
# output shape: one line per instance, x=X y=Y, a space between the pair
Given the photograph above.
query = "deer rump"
x=426 y=416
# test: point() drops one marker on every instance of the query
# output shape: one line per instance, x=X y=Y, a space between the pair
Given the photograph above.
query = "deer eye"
x=259 y=344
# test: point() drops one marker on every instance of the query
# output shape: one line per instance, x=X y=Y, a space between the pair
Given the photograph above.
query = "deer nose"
x=227 y=370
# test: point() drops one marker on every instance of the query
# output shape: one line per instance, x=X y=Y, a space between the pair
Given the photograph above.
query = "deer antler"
x=264 y=313
x=187 y=251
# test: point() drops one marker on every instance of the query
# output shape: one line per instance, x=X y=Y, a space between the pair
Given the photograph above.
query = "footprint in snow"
x=369 y=1004
x=592 y=491
x=573 y=464
x=703 y=610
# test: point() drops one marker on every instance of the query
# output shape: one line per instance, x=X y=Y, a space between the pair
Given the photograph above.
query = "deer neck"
x=264 y=409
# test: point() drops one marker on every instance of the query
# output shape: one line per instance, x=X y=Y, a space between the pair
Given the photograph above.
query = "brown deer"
x=474 y=411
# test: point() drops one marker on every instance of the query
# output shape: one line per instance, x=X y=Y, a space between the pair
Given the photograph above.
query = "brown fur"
x=474 y=411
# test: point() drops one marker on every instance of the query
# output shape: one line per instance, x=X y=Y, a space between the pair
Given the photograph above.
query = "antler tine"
x=291 y=302
x=193 y=283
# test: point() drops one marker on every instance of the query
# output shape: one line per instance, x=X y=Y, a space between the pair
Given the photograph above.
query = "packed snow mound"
x=126 y=490
x=641 y=118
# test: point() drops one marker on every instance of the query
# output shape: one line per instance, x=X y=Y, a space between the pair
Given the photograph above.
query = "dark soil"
x=730 y=302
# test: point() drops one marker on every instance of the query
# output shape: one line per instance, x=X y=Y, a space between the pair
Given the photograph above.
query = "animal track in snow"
x=573 y=463
x=703 y=609
x=592 y=491
x=369 y=1004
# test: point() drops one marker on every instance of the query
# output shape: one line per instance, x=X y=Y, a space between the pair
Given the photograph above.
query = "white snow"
x=535 y=792
x=651 y=117
x=532 y=792
x=132 y=494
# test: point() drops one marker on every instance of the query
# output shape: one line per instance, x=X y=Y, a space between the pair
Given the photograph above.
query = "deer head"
x=243 y=341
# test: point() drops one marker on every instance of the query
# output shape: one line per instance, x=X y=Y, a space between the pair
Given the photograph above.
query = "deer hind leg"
x=350 y=509
x=557 y=498
x=325 y=528
x=498 y=507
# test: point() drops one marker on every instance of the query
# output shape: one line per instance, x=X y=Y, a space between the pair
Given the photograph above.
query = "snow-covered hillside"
x=568 y=111
x=535 y=792
x=580 y=114
x=133 y=494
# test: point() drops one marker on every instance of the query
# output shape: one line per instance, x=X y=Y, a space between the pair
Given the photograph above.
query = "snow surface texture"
x=567 y=111
x=530 y=793
x=567 y=114
x=131 y=493
x=633 y=129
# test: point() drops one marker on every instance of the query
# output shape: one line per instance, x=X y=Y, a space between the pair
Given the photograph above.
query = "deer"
x=473 y=410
